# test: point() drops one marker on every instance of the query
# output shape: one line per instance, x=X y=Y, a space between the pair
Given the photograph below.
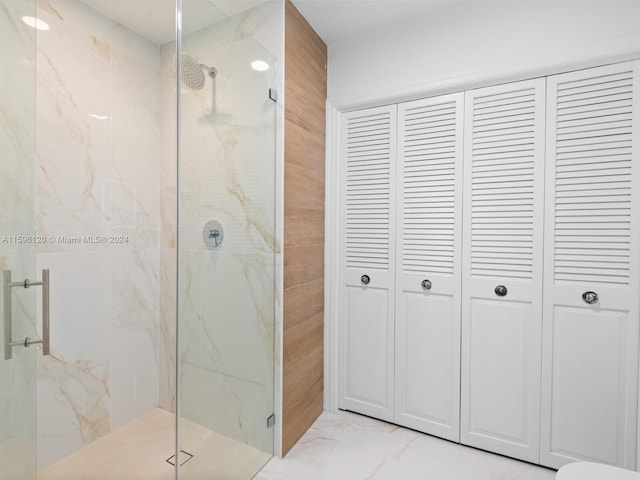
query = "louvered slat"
x=593 y=177
x=429 y=146
x=502 y=187
x=368 y=141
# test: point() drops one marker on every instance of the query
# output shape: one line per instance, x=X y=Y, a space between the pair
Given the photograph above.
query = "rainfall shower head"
x=193 y=72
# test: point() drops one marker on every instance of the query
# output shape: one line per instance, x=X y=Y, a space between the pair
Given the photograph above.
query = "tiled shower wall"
x=105 y=167
x=98 y=175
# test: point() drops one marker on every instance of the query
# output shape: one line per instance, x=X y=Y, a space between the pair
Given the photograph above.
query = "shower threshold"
x=139 y=451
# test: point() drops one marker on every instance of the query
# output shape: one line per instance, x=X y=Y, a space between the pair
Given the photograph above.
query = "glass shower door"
x=226 y=246
x=17 y=242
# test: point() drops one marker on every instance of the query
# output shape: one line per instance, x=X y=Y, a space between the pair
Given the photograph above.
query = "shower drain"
x=184 y=457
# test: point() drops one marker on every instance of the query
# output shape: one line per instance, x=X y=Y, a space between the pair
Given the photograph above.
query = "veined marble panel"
x=74 y=380
x=168 y=226
x=134 y=336
x=229 y=326
x=74 y=109
x=167 y=330
x=17 y=126
x=133 y=207
x=263 y=24
x=18 y=376
x=227 y=150
x=228 y=405
x=168 y=159
x=135 y=46
x=76 y=14
x=168 y=229
x=98 y=174
x=228 y=177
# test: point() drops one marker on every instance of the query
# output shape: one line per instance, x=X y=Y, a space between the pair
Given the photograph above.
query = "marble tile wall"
x=98 y=204
x=227 y=173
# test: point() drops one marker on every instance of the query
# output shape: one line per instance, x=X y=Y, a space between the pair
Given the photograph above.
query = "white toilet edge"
x=594 y=471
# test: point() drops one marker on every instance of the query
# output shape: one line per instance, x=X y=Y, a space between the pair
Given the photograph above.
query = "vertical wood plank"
x=305 y=97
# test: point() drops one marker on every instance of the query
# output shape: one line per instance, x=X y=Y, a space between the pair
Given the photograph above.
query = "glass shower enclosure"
x=137 y=239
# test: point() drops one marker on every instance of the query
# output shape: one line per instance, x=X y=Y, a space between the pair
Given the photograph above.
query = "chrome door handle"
x=590 y=297
x=365 y=279
x=46 y=312
x=9 y=343
x=426 y=284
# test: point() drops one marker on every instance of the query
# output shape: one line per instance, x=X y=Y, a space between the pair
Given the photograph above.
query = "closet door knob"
x=501 y=290
x=365 y=279
x=590 y=297
x=426 y=284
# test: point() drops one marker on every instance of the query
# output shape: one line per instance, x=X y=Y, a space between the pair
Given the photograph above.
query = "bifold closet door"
x=590 y=355
x=427 y=380
x=367 y=305
x=502 y=268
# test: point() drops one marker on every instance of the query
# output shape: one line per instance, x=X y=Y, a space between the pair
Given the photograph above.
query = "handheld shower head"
x=193 y=72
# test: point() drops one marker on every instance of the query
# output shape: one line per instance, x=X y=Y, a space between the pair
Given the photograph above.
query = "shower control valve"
x=212 y=234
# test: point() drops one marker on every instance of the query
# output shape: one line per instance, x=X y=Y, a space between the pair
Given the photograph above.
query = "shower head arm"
x=212 y=71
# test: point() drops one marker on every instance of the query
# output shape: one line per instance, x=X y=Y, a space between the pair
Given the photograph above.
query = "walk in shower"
x=137 y=194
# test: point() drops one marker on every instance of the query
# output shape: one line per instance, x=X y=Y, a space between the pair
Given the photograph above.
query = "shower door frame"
x=18 y=243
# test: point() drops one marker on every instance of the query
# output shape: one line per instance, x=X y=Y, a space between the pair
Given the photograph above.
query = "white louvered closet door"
x=502 y=268
x=366 y=327
x=590 y=346
x=429 y=189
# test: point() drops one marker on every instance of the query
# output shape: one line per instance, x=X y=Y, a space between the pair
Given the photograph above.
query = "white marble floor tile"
x=346 y=446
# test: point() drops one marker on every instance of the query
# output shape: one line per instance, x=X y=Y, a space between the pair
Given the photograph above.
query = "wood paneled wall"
x=304 y=136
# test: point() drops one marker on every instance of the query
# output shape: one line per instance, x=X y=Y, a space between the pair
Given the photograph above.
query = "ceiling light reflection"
x=260 y=65
x=36 y=23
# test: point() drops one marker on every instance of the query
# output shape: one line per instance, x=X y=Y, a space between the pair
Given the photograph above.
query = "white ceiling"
x=334 y=20
x=155 y=19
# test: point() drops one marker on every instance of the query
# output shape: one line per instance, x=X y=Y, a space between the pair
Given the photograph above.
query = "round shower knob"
x=426 y=284
x=365 y=279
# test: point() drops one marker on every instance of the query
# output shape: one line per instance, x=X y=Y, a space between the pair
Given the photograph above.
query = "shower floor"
x=139 y=450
